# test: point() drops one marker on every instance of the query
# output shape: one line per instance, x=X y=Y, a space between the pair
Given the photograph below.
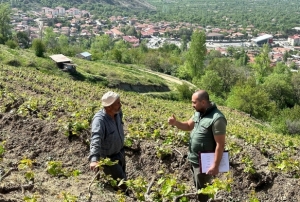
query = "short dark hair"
x=202 y=95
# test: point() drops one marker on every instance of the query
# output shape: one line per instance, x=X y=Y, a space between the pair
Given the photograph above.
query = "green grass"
x=103 y=72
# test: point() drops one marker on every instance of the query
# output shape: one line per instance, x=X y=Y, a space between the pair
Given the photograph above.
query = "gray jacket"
x=107 y=135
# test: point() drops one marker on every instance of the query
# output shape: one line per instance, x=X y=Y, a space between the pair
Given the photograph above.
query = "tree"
x=151 y=60
x=50 y=41
x=286 y=55
x=11 y=44
x=211 y=82
x=293 y=65
x=117 y=55
x=229 y=74
x=252 y=100
x=185 y=93
x=196 y=54
x=296 y=86
x=39 y=47
x=287 y=121
x=214 y=54
x=5 y=26
x=23 y=39
x=231 y=50
x=63 y=41
x=100 y=45
x=262 y=64
x=281 y=68
x=131 y=31
x=135 y=54
x=280 y=90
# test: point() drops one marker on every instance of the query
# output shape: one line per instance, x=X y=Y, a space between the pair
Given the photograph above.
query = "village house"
x=109 y=33
x=58 y=25
x=223 y=51
x=60 y=11
x=276 y=57
x=85 y=33
x=294 y=40
x=65 y=31
x=85 y=13
x=148 y=32
x=237 y=35
x=116 y=33
x=46 y=10
x=73 y=12
x=85 y=55
x=73 y=31
x=214 y=36
x=132 y=40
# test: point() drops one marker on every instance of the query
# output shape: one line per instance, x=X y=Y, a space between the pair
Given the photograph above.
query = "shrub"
x=185 y=93
x=293 y=127
x=31 y=64
x=11 y=44
x=15 y=63
x=39 y=47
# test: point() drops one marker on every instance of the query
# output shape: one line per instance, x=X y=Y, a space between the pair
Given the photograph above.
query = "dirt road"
x=169 y=77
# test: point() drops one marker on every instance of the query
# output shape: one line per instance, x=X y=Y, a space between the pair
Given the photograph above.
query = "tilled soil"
x=42 y=141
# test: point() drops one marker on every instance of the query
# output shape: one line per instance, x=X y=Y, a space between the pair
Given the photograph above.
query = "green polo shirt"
x=211 y=123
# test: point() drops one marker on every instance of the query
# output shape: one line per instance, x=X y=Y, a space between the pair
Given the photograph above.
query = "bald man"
x=208 y=129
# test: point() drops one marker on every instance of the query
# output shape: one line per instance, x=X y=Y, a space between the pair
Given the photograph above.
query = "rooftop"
x=60 y=58
x=263 y=37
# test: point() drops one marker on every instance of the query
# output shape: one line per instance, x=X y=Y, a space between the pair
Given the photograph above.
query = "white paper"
x=207 y=160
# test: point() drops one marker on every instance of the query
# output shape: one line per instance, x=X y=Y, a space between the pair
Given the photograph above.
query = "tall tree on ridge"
x=262 y=64
x=196 y=54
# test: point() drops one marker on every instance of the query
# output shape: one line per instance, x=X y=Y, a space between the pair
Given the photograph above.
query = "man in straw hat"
x=107 y=139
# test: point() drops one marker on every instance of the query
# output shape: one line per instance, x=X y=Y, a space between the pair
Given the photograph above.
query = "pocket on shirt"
x=204 y=127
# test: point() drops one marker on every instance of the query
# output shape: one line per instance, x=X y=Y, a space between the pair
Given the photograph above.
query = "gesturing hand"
x=172 y=120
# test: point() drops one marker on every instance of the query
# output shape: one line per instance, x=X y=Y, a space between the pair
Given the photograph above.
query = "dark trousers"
x=200 y=181
x=117 y=171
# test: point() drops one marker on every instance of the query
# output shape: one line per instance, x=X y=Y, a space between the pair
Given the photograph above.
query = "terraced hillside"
x=45 y=119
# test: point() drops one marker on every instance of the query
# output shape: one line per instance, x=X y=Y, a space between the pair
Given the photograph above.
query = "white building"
x=46 y=10
x=60 y=10
x=73 y=11
x=294 y=40
x=264 y=39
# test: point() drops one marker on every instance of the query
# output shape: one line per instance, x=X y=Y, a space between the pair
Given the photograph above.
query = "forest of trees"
x=271 y=16
x=267 y=93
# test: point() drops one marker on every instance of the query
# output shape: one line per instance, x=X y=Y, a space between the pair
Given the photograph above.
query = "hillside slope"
x=45 y=118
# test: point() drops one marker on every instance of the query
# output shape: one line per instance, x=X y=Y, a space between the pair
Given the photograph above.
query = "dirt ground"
x=41 y=141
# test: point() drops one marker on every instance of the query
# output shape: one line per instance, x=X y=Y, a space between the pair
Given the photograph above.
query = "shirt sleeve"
x=98 y=134
x=219 y=126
